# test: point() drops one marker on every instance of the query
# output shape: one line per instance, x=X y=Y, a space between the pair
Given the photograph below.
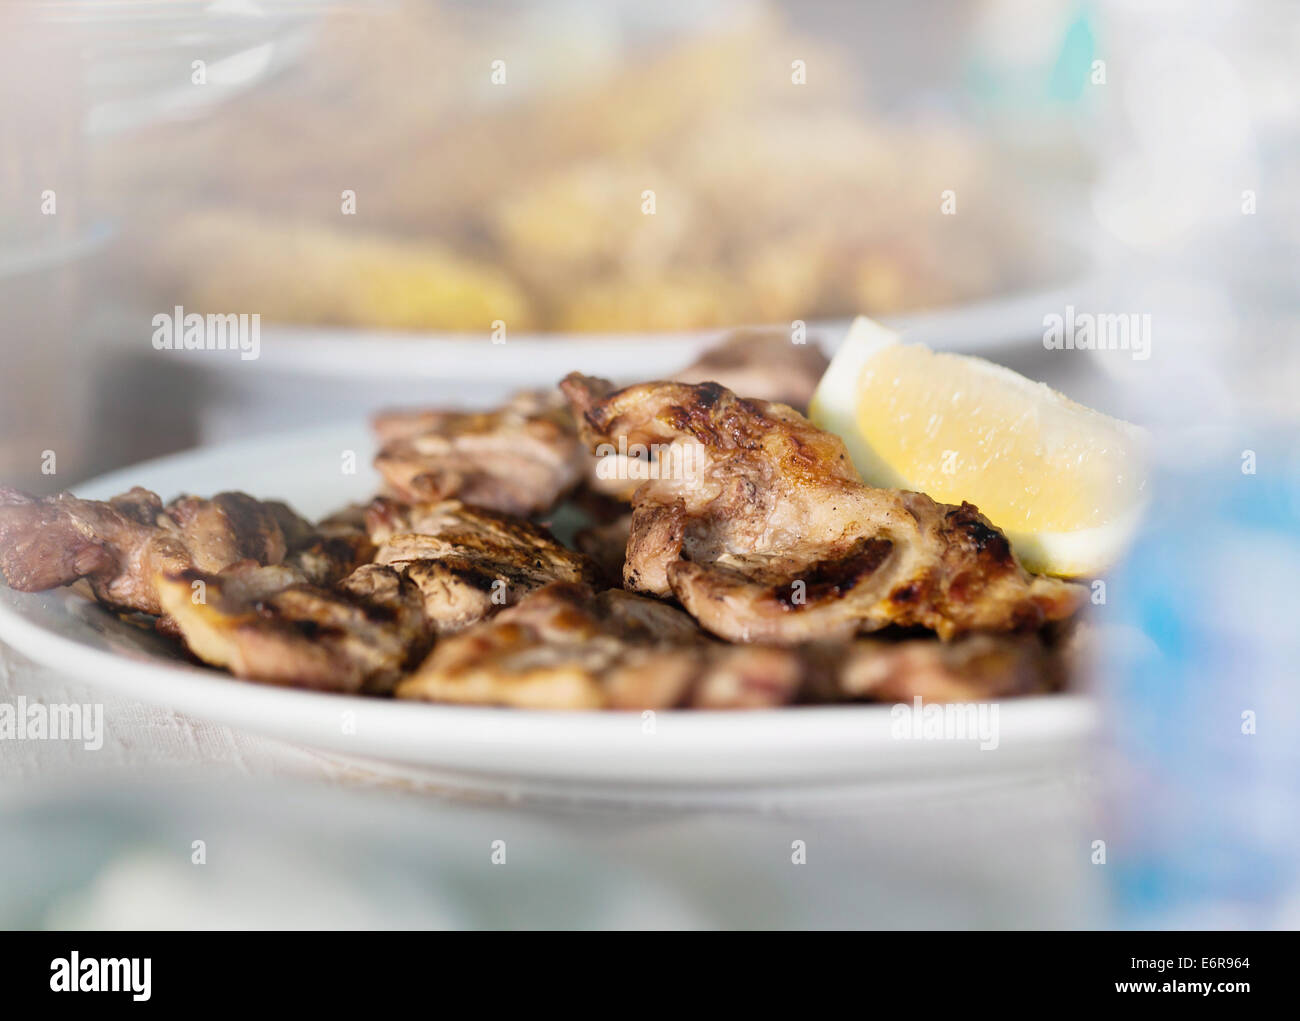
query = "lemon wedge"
x=1065 y=483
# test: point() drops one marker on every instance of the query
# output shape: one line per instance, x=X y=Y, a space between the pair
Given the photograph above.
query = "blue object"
x=1201 y=689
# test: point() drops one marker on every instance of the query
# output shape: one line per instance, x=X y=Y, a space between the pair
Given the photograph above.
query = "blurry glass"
x=76 y=78
x=1203 y=709
x=1200 y=221
x=1199 y=226
x=46 y=234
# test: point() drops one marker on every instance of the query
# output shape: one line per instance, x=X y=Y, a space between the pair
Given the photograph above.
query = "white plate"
x=307 y=375
x=686 y=757
x=982 y=327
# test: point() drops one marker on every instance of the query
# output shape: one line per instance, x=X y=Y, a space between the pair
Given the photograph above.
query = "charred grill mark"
x=139 y=504
x=380 y=613
x=907 y=594
x=986 y=539
x=255 y=532
x=831 y=579
x=188 y=575
x=471 y=574
x=709 y=394
x=689 y=419
x=711 y=419
x=310 y=629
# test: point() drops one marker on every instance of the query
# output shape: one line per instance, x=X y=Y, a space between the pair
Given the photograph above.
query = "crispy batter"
x=469 y=562
x=764 y=532
x=119 y=545
x=518 y=459
x=269 y=624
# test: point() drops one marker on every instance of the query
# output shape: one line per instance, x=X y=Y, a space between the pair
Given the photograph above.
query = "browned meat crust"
x=763 y=364
x=566 y=647
x=606 y=545
x=519 y=459
x=469 y=562
x=973 y=668
x=268 y=624
x=119 y=545
x=769 y=535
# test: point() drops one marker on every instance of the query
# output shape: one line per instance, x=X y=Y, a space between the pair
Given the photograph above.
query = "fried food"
x=773 y=201
x=770 y=536
x=298 y=271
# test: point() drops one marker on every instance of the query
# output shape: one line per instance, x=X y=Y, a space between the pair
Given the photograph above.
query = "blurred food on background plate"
x=685 y=180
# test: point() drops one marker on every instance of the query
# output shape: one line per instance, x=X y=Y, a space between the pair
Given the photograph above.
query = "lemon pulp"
x=1065 y=483
x=1029 y=458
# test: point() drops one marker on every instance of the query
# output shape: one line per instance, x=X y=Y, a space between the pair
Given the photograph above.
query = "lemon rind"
x=1082 y=553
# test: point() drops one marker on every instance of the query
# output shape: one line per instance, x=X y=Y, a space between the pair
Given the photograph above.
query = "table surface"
x=1014 y=854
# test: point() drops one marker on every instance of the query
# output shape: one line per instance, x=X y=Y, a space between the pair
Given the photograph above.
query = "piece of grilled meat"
x=469 y=562
x=764 y=532
x=519 y=459
x=973 y=668
x=270 y=624
x=334 y=549
x=565 y=646
x=606 y=544
x=761 y=363
x=120 y=545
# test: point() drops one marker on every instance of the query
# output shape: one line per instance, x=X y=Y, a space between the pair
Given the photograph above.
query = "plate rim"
x=996 y=322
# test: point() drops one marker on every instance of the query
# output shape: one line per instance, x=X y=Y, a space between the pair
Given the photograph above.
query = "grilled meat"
x=972 y=668
x=119 y=545
x=469 y=562
x=333 y=549
x=751 y=518
x=763 y=364
x=761 y=528
x=269 y=624
x=567 y=647
x=519 y=459
x=606 y=545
